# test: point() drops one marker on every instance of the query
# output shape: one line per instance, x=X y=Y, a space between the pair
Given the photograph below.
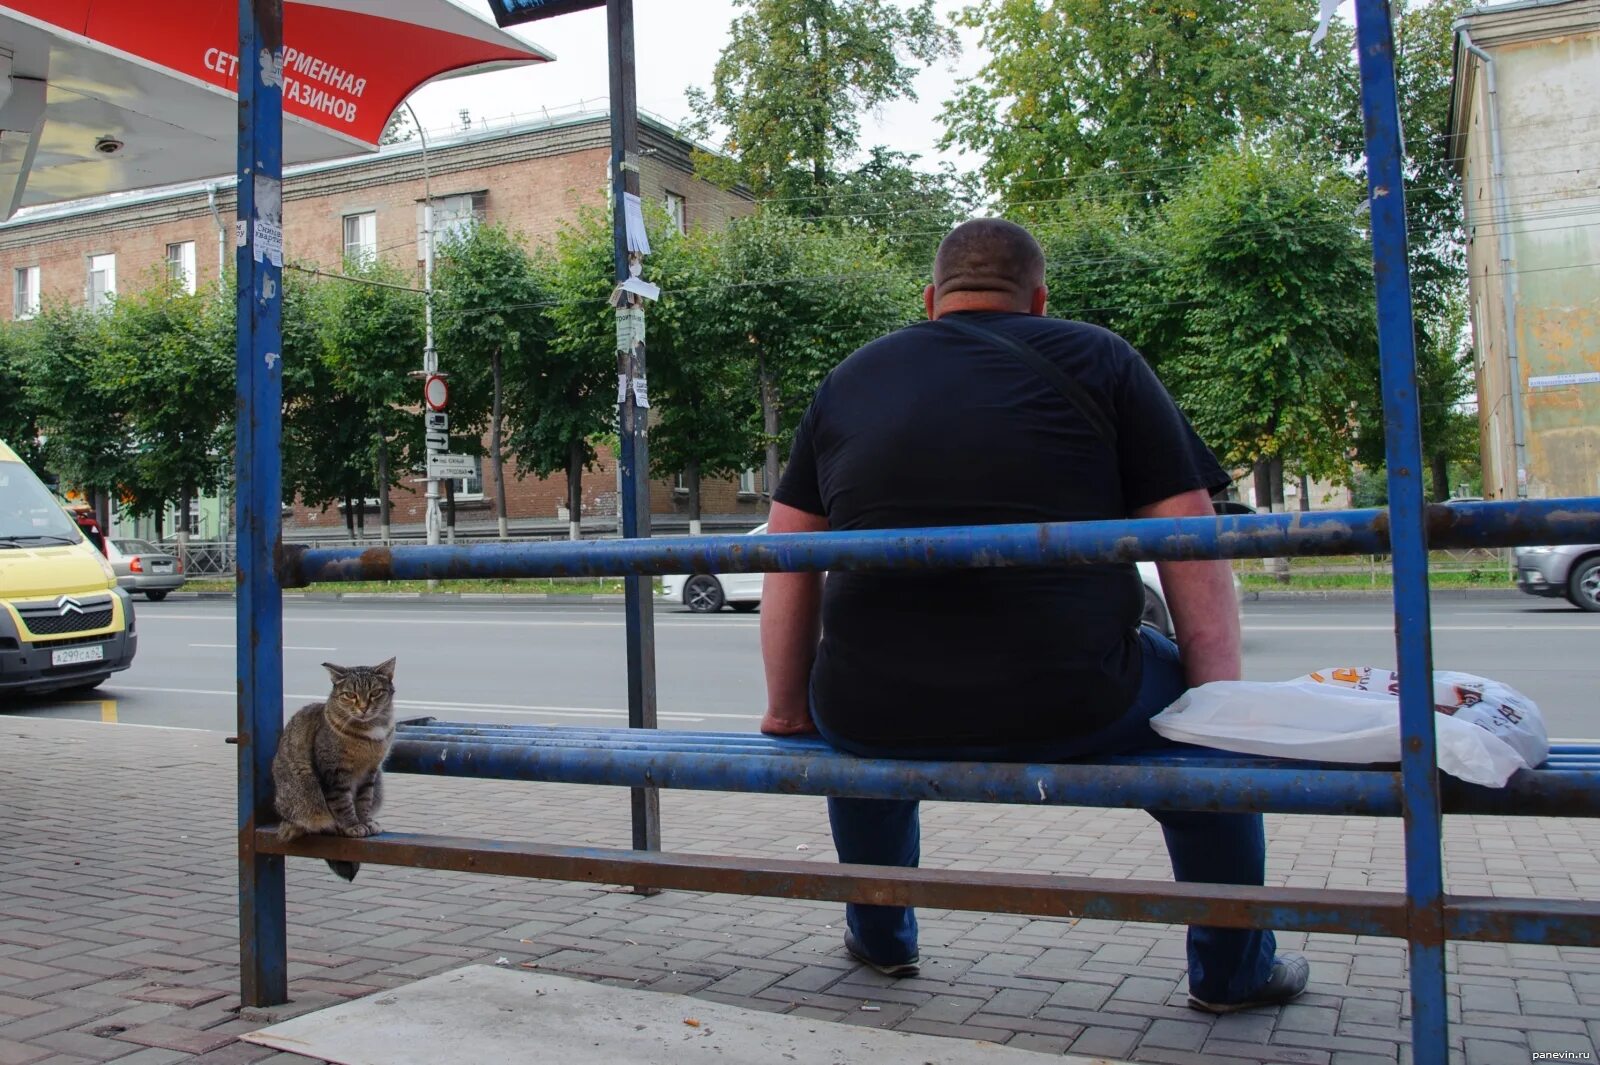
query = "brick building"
x=531 y=175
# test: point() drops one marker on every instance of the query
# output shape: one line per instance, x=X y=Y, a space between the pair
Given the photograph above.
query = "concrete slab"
x=484 y=1013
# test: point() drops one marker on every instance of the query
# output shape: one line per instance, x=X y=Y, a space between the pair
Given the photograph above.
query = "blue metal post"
x=1403 y=453
x=633 y=417
x=263 y=963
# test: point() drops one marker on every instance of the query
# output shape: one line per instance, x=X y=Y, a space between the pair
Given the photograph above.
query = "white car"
x=707 y=593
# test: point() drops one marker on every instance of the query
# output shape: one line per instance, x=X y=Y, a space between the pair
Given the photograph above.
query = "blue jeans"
x=1225 y=964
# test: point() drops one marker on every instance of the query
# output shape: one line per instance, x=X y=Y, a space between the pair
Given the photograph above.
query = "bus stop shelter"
x=100 y=97
x=96 y=87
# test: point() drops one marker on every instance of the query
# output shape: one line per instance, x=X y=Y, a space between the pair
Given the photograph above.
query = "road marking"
x=473 y=708
x=450 y=619
x=108 y=711
x=119 y=724
x=1574 y=628
x=234 y=647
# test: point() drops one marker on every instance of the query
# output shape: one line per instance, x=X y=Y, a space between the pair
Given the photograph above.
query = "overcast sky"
x=677 y=42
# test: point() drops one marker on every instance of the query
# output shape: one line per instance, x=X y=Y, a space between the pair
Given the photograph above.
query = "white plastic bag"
x=1486 y=731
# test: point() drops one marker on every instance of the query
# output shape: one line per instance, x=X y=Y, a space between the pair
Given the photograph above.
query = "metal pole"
x=1408 y=534
x=634 y=457
x=430 y=357
x=263 y=961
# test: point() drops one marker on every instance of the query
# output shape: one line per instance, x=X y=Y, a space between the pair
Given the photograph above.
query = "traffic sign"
x=436 y=421
x=435 y=392
x=444 y=467
x=438 y=441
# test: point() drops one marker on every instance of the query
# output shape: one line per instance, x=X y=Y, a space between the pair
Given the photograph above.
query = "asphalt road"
x=563 y=663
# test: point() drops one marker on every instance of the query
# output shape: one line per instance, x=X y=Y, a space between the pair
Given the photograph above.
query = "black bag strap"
x=1063 y=382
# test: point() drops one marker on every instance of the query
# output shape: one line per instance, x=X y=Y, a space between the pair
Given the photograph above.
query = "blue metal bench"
x=1568 y=785
x=1424 y=915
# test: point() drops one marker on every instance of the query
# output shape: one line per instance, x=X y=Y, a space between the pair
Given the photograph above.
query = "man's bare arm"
x=791 y=624
x=1200 y=597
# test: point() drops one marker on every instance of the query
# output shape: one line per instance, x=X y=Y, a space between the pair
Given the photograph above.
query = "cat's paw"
x=372 y=828
x=356 y=831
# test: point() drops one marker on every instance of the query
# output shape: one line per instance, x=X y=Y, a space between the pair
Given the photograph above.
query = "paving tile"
x=1176 y=1035
x=186 y=997
x=175 y=1038
x=1484 y=1052
x=15 y=1053
x=235 y=1054
x=15 y=1008
x=1104 y=1042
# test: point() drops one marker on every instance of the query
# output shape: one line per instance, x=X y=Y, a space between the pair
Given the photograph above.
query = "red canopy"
x=111 y=95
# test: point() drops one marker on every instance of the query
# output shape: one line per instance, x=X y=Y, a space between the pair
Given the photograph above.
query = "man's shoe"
x=1289 y=975
x=899 y=969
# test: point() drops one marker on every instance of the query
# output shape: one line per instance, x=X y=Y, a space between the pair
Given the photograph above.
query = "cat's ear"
x=385 y=669
x=338 y=673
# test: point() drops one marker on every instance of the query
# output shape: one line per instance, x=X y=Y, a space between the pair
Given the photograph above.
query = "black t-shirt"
x=931 y=427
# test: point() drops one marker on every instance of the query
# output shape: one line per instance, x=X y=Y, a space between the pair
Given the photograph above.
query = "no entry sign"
x=435 y=393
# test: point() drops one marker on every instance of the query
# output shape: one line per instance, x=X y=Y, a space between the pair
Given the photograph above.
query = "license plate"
x=161 y=567
x=72 y=656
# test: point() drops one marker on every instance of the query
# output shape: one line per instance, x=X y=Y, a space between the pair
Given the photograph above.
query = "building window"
x=470 y=487
x=102 y=281
x=454 y=218
x=180 y=265
x=677 y=211
x=25 y=292
x=680 y=483
x=747 y=482
x=361 y=237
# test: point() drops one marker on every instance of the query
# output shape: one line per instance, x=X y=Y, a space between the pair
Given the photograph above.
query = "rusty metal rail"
x=1352 y=912
x=1557 y=521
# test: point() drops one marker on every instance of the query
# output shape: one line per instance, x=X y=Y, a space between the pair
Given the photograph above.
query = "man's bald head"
x=987 y=264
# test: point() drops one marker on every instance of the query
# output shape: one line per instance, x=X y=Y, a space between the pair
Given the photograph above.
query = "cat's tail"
x=347 y=870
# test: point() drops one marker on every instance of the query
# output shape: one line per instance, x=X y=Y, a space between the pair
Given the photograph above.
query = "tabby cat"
x=328 y=770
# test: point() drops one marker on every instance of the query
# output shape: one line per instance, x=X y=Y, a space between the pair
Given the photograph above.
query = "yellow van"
x=64 y=623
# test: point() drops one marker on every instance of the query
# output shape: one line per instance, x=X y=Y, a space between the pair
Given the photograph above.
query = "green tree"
x=86 y=436
x=373 y=343
x=168 y=367
x=1424 y=36
x=19 y=418
x=564 y=396
x=909 y=209
x=1444 y=381
x=796 y=299
x=1424 y=55
x=491 y=313
x=308 y=394
x=399 y=128
x=794 y=78
x=1122 y=97
x=1273 y=277
x=706 y=411
x=1098 y=262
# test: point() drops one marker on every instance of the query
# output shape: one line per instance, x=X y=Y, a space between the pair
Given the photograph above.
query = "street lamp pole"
x=430 y=356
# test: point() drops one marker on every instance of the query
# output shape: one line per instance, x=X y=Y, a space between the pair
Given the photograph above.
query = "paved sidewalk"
x=118 y=934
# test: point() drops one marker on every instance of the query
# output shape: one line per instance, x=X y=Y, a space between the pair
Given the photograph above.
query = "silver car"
x=1572 y=570
x=143 y=567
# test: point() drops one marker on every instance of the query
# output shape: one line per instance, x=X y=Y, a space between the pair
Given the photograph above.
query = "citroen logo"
x=68 y=605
